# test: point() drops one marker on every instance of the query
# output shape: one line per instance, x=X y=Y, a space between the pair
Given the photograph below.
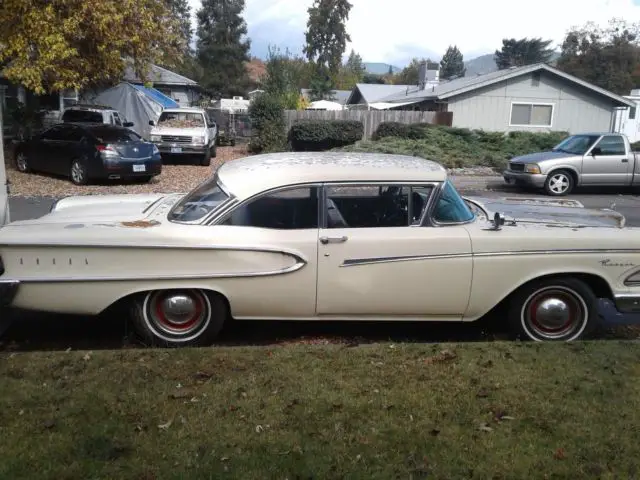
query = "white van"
x=185 y=131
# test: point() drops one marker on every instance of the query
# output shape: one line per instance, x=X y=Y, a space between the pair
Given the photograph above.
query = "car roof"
x=251 y=175
x=93 y=108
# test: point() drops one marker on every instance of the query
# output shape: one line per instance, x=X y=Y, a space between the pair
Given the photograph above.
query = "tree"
x=326 y=35
x=181 y=11
x=351 y=73
x=409 y=74
x=285 y=76
x=607 y=57
x=373 y=78
x=518 y=53
x=221 y=49
x=322 y=85
x=63 y=44
x=452 y=63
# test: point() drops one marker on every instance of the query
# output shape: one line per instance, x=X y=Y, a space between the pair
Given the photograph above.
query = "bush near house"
x=319 y=135
x=456 y=147
x=266 y=113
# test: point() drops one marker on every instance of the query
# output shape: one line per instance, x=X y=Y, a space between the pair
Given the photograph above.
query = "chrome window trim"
x=407 y=183
x=222 y=216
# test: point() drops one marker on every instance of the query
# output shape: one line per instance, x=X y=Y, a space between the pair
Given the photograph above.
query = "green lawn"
x=474 y=410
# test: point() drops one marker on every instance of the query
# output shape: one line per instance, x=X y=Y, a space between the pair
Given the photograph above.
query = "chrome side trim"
x=627 y=303
x=369 y=261
x=155 y=277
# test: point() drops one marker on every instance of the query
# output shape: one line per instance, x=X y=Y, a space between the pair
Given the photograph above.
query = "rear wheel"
x=179 y=318
x=556 y=309
x=559 y=183
x=78 y=173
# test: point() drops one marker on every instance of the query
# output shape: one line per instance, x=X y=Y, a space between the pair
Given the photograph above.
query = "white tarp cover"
x=132 y=103
x=325 y=105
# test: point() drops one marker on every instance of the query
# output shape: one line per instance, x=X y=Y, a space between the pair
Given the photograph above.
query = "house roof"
x=462 y=85
x=372 y=92
x=339 y=96
x=158 y=75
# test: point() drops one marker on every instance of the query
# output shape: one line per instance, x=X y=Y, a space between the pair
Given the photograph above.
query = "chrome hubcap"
x=76 y=172
x=21 y=161
x=177 y=315
x=554 y=313
x=559 y=183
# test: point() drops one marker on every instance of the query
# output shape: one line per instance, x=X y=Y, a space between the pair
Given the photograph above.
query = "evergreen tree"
x=518 y=53
x=452 y=63
x=221 y=48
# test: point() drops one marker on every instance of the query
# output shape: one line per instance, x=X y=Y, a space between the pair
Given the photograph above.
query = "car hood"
x=188 y=132
x=106 y=208
x=548 y=212
x=541 y=157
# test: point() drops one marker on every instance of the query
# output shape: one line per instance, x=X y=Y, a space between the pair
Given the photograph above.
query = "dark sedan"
x=85 y=152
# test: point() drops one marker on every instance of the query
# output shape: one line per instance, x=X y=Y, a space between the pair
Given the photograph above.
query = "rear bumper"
x=530 y=179
x=126 y=169
x=8 y=291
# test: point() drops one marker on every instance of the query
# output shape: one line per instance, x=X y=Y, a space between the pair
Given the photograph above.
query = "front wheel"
x=179 y=318
x=560 y=309
x=559 y=183
x=78 y=173
x=22 y=162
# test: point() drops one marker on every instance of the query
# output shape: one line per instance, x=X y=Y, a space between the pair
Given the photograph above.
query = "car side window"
x=292 y=209
x=54 y=133
x=374 y=206
x=611 y=145
x=116 y=119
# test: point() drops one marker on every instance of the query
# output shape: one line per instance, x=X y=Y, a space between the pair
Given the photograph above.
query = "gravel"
x=174 y=178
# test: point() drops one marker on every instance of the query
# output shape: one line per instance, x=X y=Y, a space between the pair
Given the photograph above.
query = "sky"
x=396 y=31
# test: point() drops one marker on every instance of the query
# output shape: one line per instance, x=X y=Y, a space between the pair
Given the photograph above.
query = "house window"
x=531 y=115
x=68 y=98
x=632 y=113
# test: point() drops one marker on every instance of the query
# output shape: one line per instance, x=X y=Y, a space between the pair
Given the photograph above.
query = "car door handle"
x=326 y=240
x=625 y=160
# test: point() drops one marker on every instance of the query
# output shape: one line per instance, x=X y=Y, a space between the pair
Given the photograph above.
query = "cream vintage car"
x=322 y=236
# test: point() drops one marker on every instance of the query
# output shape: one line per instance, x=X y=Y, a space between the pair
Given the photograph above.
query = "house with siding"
x=183 y=90
x=531 y=98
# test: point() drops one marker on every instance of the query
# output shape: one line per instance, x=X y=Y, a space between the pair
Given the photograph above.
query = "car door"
x=285 y=222
x=607 y=163
x=45 y=150
x=375 y=259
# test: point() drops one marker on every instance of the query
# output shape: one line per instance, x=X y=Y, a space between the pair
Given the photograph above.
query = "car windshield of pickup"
x=576 y=144
x=181 y=120
x=199 y=203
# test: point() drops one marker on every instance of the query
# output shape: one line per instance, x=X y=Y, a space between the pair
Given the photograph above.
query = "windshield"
x=451 y=208
x=199 y=203
x=82 y=116
x=576 y=144
x=181 y=120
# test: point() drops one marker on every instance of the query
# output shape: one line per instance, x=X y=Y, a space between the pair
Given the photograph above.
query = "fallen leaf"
x=435 y=432
x=443 y=356
x=259 y=428
x=482 y=393
x=485 y=428
x=560 y=454
x=49 y=424
x=179 y=395
x=165 y=426
x=87 y=357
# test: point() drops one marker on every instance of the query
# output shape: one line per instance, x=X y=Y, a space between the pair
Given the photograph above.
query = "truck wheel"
x=559 y=183
x=206 y=160
x=214 y=152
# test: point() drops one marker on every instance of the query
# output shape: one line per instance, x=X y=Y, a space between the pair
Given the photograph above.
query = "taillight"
x=105 y=148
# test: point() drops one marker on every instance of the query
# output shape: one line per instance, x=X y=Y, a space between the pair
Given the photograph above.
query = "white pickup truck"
x=586 y=159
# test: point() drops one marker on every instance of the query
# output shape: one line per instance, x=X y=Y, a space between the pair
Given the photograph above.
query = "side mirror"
x=596 y=151
x=498 y=220
x=127 y=124
x=152 y=123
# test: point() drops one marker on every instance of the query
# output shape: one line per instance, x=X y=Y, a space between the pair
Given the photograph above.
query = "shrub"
x=319 y=135
x=635 y=147
x=457 y=147
x=266 y=113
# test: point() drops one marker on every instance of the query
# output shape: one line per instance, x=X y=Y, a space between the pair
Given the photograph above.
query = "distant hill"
x=377 y=68
x=486 y=64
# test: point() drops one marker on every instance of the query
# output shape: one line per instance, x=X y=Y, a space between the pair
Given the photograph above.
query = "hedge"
x=266 y=113
x=320 y=135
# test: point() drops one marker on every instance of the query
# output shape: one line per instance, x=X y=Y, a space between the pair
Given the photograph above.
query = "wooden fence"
x=369 y=118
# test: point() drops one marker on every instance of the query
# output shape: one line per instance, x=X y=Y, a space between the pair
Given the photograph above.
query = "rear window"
x=82 y=116
x=112 y=135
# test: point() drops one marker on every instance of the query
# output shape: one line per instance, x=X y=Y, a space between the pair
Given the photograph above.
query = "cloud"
x=394 y=32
